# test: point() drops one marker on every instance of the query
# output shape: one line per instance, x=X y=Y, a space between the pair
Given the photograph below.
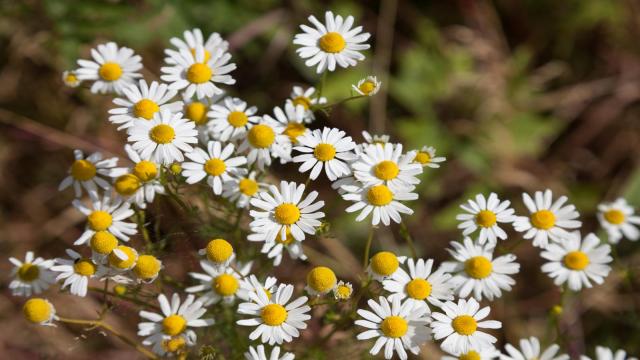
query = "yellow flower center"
x=174 y=325
x=84 y=267
x=324 y=152
x=418 y=289
x=274 y=314
x=379 y=195
x=576 y=260
x=287 y=214
x=126 y=263
x=127 y=184
x=304 y=101
x=321 y=279
x=37 y=310
x=147 y=267
x=120 y=289
x=83 y=170
x=248 y=186
x=103 y=242
x=145 y=170
x=486 y=218
x=343 y=292
x=71 y=79
x=478 y=267
x=288 y=238
x=422 y=158
x=162 y=134
x=367 y=87
x=174 y=344
x=226 y=285
x=386 y=170
x=543 y=219
x=293 y=130
x=175 y=168
x=237 y=119
x=261 y=136
x=215 y=167
x=384 y=263
x=614 y=216
x=99 y=220
x=207 y=54
x=394 y=326
x=219 y=250
x=196 y=112
x=464 y=325
x=332 y=42
x=471 y=355
x=110 y=71
x=145 y=109
x=28 y=272
x=199 y=73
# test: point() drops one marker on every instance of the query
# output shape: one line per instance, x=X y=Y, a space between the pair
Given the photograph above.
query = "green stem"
x=123 y=297
x=367 y=249
x=140 y=217
x=323 y=82
x=404 y=232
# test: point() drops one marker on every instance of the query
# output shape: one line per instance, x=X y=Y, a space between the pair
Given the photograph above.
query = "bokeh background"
x=519 y=95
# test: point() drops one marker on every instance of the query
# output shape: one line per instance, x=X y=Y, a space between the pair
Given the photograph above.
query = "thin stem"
x=123 y=297
x=404 y=232
x=140 y=217
x=236 y=226
x=367 y=249
x=353 y=97
x=323 y=82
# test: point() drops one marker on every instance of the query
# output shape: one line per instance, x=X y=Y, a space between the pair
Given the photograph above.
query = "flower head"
x=368 y=86
x=618 y=220
x=112 y=68
x=31 y=276
x=91 y=173
x=486 y=214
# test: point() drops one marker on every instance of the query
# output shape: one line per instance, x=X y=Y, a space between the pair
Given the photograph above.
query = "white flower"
x=141 y=185
x=603 y=353
x=196 y=74
x=39 y=311
x=459 y=325
x=305 y=98
x=321 y=280
x=548 y=220
x=427 y=157
x=231 y=119
x=142 y=102
x=475 y=270
x=192 y=39
x=106 y=215
x=275 y=249
x=89 y=173
x=398 y=326
x=77 y=271
x=386 y=164
x=380 y=200
x=241 y=189
x=252 y=284
x=112 y=68
x=70 y=78
x=277 y=319
x=482 y=353
x=335 y=42
x=163 y=139
x=619 y=221
x=530 y=350
x=420 y=286
x=368 y=86
x=576 y=262
x=375 y=139
x=486 y=214
x=263 y=141
x=328 y=148
x=291 y=122
x=196 y=110
x=384 y=264
x=220 y=284
x=216 y=165
x=175 y=321
x=31 y=276
x=258 y=353
x=219 y=253
x=342 y=291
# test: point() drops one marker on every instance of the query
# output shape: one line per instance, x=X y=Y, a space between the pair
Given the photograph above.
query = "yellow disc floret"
x=543 y=219
x=293 y=130
x=343 y=292
x=248 y=186
x=394 y=326
x=162 y=134
x=471 y=355
x=288 y=238
x=422 y=158
x=418 y=289
x=386 y=170
x=478 y=267
x=199 y=73
x=37 y=310
x=261 y=136
x=84 y=267
x=614 y=216
x=332 y=42
x=28 y=272
x=215 y=167
x=103 y=242
x=287 y=214
x=274 y=314
x=219 y=250
x=145 y=170
x=99 y=220
x=303 y=101
x=321 y=279
x=576 y=260
x=324 y=152
x=145 y=109
x=83 y=170
x=196 y=112
x=225 y=284
x=131 y=256
x=367 y=87
x=174 y=325
x=174 y=344
x=379 y=195
x=127 y=184
x=384 y=263
x=486 y=218
x=147 y=267
x=120 y=289
x=464 y=325
x=237 y=119
x=110 y=71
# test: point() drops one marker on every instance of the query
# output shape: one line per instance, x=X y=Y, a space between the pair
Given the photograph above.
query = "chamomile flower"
x=460 y=326
x=277 y=319
x=112 y=68
x=218 y=252
x=604 y=353
x=275 y=249
x=216 y=164
x=548 y=219
x=482 y=353
x=530 y=350
x=90 y=173
x=147 y=268
x=39 y=311
x=141 y=102
x=122 y=259
x=70 y=78
x=291 y=121
x=192 y=39
x=196 y=74
x=76 y=272
x=262 y=141
x=368 y=86
x=218 y=284
x=375 y=139
x=252 y=284
x=380 y=200
x=241 y=189
x=327 y=148
x=231 y=119
x=332 y=43
x=618 y=220
x=320 y=280
x=420 y=285
x=399 y=326
x=342 y=291
x=475 y=270
x=386 y=165
x=164 y=138
x=106 y=215
x=141 y=185
x=486 y=214
x=577 y=261
x=305 y=98
x=195 y=110
x=427 y=157
x=31 y=276
x=258 y=353
x=384 y=264
x=175 y=321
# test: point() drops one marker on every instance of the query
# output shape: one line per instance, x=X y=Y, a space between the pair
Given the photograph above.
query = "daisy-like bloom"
x=548 y=219
x=263 y=141
x=475 y=270
x=106 y=215
x=427 y=157
x=196 y=110
x=192 y=39
x=141 y=185
x=39 y=311
x=577 y=262
x=219 y=252
x=122 y=258
x=420 y=286
x=259 y=353
x=141 y=102
x=305 y=98
x=619 y=221
x=380 y=200
x=343 y=291
x=218 y=284
x=216 y=164
x=31 y=276
x=530 y=350
x=321 y=280
x=328 y=148
x=70 y=78
x=231 y=119
x=275 y=249
x=90 y=173
x=486 y=213
x=459 y=326
x=252 y=284
x=241 y=189
x=604 y=353
x=174 y=322
x=375 y=139
x=384 y=264
x=399 y=326
x=483 y=353
x=76 y=271
x=368 y=86
x=164 y=138
x=386 y=164
x=147 y=268
x=277 y=319
x=284 y=209
x=291 y=121
x=112 y=68
x=332 y=43
x=196 y=74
